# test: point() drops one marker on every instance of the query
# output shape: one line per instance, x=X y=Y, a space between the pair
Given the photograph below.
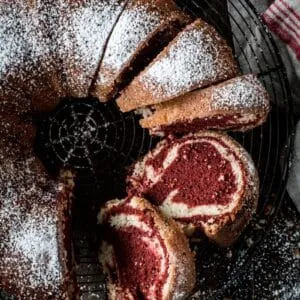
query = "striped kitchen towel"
x=283 y=19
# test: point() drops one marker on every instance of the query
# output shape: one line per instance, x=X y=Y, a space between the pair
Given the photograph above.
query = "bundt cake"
x=143 y=28
x=239 y=104
x=145 y=255
x=206 y=181
x=197 y=57
x=35 y=254
x=50 y=50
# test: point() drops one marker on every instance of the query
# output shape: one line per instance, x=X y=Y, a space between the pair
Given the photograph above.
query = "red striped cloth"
x=283 y=18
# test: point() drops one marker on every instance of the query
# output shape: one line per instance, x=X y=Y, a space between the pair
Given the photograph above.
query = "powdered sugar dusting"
x=84 y=30
x=133 y=28
x=54 y=46
x=12 y=37
x=29 y=248
x=197 y=57
x=35 y=242
x=23 y=44
x=245 y=92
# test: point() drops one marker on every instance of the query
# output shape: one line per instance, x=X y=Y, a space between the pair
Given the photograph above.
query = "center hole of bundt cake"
x=139 y=260
x=88 y=135
x=199 y=175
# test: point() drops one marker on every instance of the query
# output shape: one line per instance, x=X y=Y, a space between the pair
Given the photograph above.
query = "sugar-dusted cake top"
x=84 y=30
x=139 y=20
x=196 y=57
x=244 y=92
x=31 y=248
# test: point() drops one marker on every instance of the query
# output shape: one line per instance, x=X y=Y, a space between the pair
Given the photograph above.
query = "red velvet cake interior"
x=236 y=121
x=208 y=177
x=134 y=253
x=138 y=259
x=198 y=179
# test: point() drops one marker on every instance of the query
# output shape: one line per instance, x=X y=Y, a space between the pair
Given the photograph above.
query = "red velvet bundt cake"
x=55 y=49
x=205 y=181
x=35 y=254
x=197 y=57
x=143 y=28
x=239 y=104
x=145 y=255
x=48 y=50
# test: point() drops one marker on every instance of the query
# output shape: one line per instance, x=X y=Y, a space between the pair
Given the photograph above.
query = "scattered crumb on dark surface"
x=273 y=271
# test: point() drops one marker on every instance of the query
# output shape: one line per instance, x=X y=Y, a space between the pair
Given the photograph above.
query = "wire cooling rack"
x=99 y=142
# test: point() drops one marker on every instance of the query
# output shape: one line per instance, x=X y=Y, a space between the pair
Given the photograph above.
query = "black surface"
x=273 y=270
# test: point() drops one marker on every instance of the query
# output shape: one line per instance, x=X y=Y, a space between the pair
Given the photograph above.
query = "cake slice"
x=142 y=30
x=238 y=104
x=206 y=181
x=196 y=58
x=35 y=248
x=144 y=254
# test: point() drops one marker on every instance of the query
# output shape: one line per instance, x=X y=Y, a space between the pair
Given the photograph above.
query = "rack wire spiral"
x=100 y=142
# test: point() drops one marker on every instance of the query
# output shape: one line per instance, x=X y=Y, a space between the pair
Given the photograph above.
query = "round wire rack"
x=100 y=142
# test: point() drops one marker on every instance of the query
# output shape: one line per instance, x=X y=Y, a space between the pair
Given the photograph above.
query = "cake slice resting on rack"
x=238 y=104
x=144 y=254
x=206 y=181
